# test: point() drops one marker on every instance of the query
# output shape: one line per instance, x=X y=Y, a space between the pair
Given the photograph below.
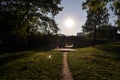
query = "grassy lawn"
x=99 y=62
x=31 y=65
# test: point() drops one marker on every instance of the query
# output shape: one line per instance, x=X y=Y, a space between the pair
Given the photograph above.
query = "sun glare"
x=69 y=23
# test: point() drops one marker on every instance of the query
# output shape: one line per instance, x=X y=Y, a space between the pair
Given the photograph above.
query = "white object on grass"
x=49 y=56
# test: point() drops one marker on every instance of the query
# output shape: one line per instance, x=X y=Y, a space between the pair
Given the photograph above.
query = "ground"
x=66 y=73
x=31 y=65
x=98 y=62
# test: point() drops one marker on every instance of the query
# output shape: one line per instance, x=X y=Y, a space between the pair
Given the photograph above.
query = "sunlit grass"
x=31 y=66
x=100 y=62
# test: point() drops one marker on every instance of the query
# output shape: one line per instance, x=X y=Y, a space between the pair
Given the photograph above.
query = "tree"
x=21 y=18
x=97 y=15
x=116 y=6
x=107 y=32
x=29 y=15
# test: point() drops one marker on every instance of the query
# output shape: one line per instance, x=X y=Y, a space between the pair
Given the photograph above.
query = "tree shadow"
x=8 y=57
x=110 y=47
x=12 y=55
x=103 y=56
x=83 y=44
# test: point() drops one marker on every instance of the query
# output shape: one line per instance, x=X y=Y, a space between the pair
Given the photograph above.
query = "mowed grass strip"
x=100 y=62
x=31 y=66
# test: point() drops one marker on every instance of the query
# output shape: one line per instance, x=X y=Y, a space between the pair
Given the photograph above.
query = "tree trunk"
x=94 y=34
x=94 y=29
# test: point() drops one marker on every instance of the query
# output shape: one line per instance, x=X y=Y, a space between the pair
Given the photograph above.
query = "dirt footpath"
x=66 y=73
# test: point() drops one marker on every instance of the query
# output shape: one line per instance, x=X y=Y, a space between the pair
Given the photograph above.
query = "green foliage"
x=97 y=15
x=116 y=4
x=93 y=5
x=21 y=19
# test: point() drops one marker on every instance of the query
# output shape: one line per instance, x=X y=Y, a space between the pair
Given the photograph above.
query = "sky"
x=72 y=10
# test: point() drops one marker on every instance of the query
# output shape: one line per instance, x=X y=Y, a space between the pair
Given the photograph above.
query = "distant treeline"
x=34 y=42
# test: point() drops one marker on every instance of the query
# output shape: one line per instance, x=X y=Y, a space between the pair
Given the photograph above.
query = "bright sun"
x=69 y=23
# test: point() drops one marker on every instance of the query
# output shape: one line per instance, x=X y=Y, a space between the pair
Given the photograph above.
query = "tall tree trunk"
x=94 y=28
x=94 y=34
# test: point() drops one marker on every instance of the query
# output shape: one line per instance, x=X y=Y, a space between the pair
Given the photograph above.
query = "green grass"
x=31 y=65
x=100 y=62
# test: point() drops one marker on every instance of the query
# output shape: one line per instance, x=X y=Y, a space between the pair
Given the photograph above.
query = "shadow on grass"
x=113 y=47
x=8 y=57
x=102 y=56
x=84 y=44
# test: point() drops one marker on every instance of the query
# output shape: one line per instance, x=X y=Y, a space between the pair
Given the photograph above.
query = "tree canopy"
x=98 y=14
x=32 y=14
x=19 y=19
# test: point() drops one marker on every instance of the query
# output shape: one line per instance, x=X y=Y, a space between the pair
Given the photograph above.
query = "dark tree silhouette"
x=21 y=19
